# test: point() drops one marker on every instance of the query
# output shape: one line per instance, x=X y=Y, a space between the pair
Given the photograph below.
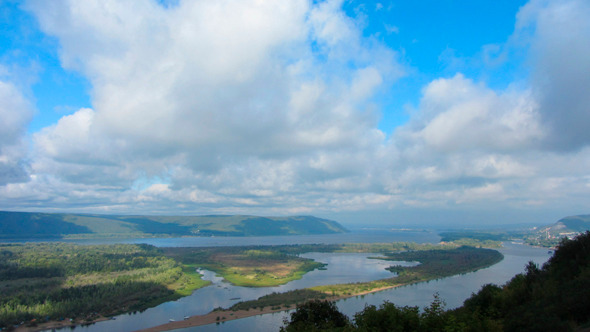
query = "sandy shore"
x=56 y=325
x=227 y=315
x=198 y=320
x=210 y=318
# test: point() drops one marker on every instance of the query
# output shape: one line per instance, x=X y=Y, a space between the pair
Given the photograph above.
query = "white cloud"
x=461 y=115
x=559 y=36
x=231 y=101
x=269 y=107
x=15 y=114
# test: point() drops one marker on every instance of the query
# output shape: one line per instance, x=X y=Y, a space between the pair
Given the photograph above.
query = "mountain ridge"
x=20 y=225
x=570 y=224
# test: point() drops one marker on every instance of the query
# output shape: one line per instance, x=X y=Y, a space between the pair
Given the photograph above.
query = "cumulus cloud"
x=559 y=36
x=239 y=99
x=269 y=108
x=458 y=114
x=15 y=114
x=469 y=145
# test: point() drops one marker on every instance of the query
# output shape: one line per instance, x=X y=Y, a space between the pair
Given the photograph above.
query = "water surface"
x=356 y=236
x=453 y=290
x=341 y=268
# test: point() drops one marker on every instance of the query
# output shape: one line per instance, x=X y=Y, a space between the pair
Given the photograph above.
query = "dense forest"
x=54 y=281
x=555 y=297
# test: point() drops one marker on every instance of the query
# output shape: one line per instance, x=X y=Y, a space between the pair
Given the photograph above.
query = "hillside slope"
x=571 y=224
x=555 y=297
x=60 y=225
x=569 y=227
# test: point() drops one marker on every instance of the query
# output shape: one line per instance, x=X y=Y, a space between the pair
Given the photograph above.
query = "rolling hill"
x=25 y=225
x=568 y=225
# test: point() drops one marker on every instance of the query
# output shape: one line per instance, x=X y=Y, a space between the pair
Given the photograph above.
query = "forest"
x=55 y=281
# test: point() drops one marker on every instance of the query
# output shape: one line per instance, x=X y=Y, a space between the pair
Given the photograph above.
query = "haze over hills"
x=579 y=223
x=566 y=226
x=550 y=236
x=60 y=225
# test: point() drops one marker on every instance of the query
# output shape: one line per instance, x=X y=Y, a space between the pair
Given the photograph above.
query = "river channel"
x=341 y=268
x=453 y=290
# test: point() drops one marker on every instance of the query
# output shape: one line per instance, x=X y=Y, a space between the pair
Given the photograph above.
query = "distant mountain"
x=568 y=225
x=27 y=225
x=550 y=236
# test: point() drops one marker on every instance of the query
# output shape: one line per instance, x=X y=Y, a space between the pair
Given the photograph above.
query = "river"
x=341 y=268
x=453 y=290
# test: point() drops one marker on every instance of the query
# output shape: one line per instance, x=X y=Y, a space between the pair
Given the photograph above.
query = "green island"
x=434 y=264
x=43 y=282
x=252 y=266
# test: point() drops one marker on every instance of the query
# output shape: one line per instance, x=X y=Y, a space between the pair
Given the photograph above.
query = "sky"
x=393 y=113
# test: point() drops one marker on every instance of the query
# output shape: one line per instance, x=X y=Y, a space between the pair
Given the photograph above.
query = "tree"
x=388 y=317
x=316 y=315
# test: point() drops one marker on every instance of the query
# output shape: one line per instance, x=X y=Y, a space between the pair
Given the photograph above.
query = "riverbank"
x=285 y=300
x=221 y=316
x=56 y=325
x=435 y=264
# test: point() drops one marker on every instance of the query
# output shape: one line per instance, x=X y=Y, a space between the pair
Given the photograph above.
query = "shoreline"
x=223 y=315
x=228 y=315
x=54 y=325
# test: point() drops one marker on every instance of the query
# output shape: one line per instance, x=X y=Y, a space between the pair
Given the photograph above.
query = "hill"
x=555 y=297
x=571 y=224
x=26 y=225
x=549 y=236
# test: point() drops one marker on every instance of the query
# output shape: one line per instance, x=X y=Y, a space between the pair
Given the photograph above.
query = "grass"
x=247 y=266
x=443 y=262
x=190 y=281
x=268 y=275
x=65 y=280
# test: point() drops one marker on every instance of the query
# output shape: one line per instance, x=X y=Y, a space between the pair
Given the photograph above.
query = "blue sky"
x=392 y=112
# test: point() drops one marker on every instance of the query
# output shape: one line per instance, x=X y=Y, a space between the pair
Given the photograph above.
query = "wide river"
x=342 y=268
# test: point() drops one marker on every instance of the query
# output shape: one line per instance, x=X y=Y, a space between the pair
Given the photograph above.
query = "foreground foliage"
x=555 y=297
x=316 y=315
x=53 y=281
